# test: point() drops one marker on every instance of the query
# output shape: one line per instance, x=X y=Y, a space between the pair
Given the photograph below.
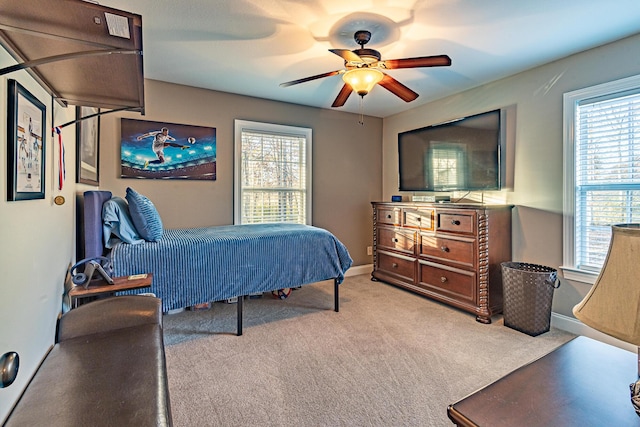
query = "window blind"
x=446 y=160
x=607 y=173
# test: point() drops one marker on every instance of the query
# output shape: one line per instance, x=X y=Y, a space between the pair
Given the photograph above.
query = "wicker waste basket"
x=527 y=290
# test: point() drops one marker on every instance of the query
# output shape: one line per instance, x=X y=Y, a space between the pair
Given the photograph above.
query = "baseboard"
x=359 y=269
x=573 y=325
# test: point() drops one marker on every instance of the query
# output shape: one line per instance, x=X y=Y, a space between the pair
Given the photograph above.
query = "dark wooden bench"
x=107 y=368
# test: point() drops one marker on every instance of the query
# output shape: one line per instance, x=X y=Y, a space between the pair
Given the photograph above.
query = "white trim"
x=576 y=275
x=239 y=126
x=568 y=176
x=359 y=269
x=570 y=101
x=574 y=326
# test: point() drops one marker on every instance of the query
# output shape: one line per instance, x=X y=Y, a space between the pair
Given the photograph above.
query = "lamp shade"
x=362 y=80
x=612 y=306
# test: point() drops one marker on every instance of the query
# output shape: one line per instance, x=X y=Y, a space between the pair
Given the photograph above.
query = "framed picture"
x=88 y=146
x=158 y=150
x=26 y=144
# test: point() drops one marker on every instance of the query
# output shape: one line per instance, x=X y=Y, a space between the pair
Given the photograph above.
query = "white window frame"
x=242 y=125
x=570 y=103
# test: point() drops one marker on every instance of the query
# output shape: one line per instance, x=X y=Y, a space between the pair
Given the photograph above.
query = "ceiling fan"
x=363 y=70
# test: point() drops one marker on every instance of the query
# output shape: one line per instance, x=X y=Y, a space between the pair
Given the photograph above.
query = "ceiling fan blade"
x=347 y=55
x=308 y=79
x=397 y=88
x=422 y=61
x=342 y=96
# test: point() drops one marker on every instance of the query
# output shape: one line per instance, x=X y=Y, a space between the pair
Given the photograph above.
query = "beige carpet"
x=388 y=358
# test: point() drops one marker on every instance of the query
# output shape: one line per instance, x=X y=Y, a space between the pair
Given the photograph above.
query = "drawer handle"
x=388 y=216
x=395 y=240
x=394 y=265
x=443 y=279
x=455 y=222
x=444 y=249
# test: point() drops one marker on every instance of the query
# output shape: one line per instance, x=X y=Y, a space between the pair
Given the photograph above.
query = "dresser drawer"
x=398 y=266
x=391 y=216
x=457 y=222
x=419 y=218
x=459 y=250
x=448 y=281
x=396 y=239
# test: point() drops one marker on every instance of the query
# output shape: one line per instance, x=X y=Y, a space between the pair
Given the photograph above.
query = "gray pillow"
x=117 y=223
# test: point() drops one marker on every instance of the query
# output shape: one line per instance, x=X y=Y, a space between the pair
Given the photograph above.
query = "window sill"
x=576 y=275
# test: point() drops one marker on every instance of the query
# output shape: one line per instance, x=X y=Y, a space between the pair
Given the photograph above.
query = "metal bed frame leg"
x=336 y=304
x=239 y=314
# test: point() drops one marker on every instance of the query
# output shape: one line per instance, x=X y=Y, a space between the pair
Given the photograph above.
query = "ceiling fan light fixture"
x=362 y=80
x=363 y=71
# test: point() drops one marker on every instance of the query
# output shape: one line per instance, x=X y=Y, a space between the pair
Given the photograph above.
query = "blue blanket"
x=199 y=265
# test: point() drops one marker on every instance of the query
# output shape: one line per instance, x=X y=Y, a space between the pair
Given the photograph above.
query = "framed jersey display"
x=88 y=145
x=25 y=144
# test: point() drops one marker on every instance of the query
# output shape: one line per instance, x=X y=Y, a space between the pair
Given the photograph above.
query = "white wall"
x=535 y=99
x=36 y=247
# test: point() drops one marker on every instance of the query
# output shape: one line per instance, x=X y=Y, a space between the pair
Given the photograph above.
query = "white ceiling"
x=249 y=47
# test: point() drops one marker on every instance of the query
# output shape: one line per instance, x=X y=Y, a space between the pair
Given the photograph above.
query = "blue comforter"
x=198 y=265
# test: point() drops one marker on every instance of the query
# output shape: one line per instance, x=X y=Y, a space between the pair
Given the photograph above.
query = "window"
x=446 y=159
x=272 y=180
x=602 y=171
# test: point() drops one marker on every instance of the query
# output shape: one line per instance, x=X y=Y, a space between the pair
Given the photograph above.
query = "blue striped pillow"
x=144 y=215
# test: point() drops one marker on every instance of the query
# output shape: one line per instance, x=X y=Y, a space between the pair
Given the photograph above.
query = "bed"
x=201 y=265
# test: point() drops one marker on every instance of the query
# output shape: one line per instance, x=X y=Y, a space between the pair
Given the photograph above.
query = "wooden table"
x=582 y=383
x=100 y=287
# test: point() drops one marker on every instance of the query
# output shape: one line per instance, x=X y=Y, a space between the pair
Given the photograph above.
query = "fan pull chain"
x=361 y=121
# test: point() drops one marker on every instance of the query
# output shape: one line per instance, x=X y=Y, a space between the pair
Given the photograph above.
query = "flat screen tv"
x=460 y=155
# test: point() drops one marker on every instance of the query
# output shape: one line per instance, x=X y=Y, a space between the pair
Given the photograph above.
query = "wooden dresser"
x=446 y=251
